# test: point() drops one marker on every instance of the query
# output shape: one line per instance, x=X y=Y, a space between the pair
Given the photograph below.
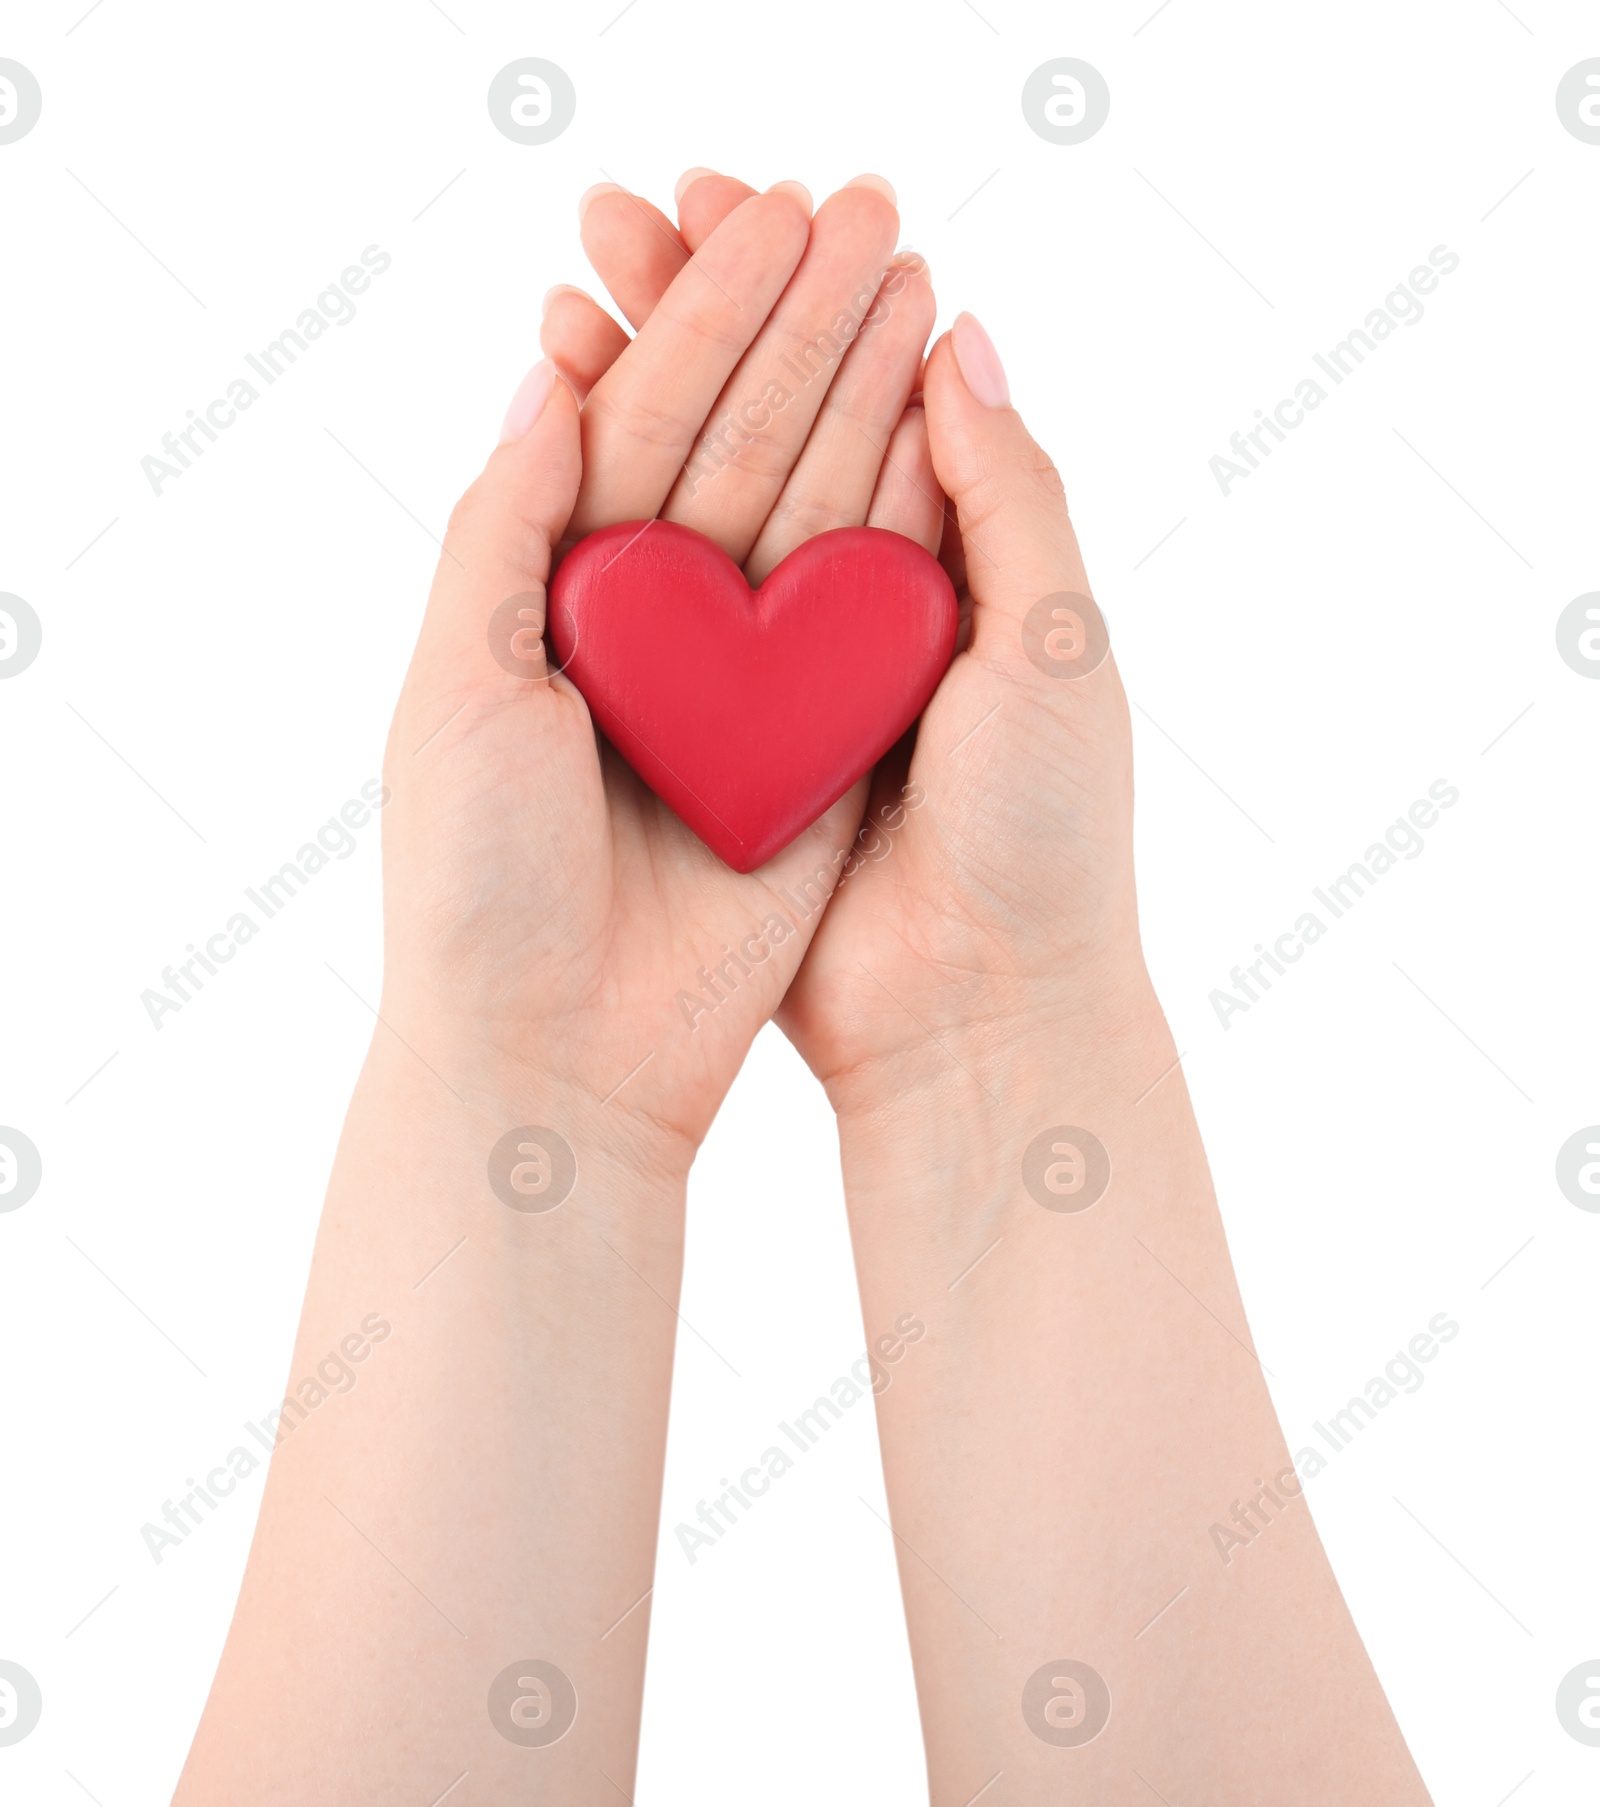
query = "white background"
x=1306 y=655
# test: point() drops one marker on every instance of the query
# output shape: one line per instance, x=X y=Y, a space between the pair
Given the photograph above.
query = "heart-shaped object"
x=751 y=712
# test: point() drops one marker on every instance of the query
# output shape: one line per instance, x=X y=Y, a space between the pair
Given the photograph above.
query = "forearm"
x=1083 y=1413
x=484 y=1489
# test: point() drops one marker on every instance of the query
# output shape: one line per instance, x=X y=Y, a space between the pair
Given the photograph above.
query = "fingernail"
x=587 y=199
x=532 y=394
x=880 y=183
x=798 y=189
x=688 y=179
x=561 y=288
x=979 y=363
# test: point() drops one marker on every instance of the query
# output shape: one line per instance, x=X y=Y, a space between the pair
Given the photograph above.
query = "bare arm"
x=1114 y=1589
x=478 y=1484
x=447 y=1592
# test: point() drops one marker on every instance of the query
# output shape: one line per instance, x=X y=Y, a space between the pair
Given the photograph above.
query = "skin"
x=486 y=1490
x=1086 y=1405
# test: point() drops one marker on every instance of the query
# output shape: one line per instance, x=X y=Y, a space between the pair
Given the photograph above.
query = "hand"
x=999 y=906
x=992 y=889
x=544 y=909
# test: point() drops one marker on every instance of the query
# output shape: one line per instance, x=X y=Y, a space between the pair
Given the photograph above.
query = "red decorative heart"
x=751 y=712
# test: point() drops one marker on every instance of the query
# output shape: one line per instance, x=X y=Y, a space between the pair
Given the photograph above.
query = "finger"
x=579 y=337
x=1012 y=511
x=634 y=248
x=832 y=484
x=705 y=198
x=626 y=246
x=755 y=431
x=497 y=548
x=908 y=499
x=643 y=416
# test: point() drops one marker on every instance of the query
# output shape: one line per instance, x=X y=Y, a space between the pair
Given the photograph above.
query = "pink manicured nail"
x=688 y=179
x=532 y=394
x=798 y=189
x=879 y=184
x=590 y=195
x=980 y=364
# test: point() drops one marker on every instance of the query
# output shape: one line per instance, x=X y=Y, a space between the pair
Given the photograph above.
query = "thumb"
x=485 y=617
x=1022 y=556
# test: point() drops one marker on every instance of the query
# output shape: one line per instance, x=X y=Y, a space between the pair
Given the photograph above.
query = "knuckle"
x=1030 y=482
x=713 y=325
x=1040 y=468
x=636 y=415
x=468 y=511
x=763 y=458
x=805 y=516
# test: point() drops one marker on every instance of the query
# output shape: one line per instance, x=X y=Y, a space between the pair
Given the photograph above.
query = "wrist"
x=939 y=1157
x=465 y=1085
x=1005 y=1045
